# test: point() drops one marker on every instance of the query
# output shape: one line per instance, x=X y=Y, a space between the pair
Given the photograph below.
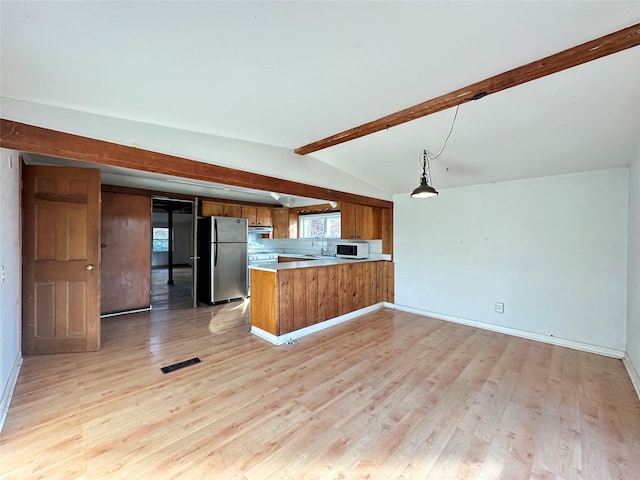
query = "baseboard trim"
x=7 y=394
x=633 y=374
x=561 y=342
x=282 y=339
x=263 y=334
x=126 y=312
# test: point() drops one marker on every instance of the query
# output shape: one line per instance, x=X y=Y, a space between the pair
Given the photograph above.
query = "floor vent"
x=179 y=365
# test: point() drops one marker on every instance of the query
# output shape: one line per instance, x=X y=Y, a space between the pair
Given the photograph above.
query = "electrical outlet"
x=499 y=307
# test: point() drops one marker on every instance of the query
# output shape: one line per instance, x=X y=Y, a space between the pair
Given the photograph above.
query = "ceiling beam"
x=181 y=196
x=609 y=44
x=32 y=139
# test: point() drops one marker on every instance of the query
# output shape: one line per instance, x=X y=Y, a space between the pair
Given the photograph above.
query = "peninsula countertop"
x=307 y=262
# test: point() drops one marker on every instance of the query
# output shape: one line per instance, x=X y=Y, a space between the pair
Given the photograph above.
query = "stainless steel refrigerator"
x=222 y=264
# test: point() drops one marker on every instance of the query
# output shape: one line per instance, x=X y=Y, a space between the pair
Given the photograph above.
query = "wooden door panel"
x=45 y=219
x=61 y=260
x=74 y=244
x=60 y=308
x=45 y=306
x=126 y=253
x=75 y=294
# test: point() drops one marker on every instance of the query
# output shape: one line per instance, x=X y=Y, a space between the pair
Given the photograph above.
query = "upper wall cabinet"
x=212 y=209
x=263 y=217
x=258 y=217
x=232 y=211
x=250 y=214
x=280 y=223
x=360 y=222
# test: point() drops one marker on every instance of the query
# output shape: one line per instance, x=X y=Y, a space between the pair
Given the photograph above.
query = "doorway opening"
x=172 y=253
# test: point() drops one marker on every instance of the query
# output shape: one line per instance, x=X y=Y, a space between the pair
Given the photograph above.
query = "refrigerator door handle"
x=215 y=243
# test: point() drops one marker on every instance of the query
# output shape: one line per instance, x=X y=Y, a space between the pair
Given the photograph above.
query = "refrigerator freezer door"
x=230 y=271
x=229 y=229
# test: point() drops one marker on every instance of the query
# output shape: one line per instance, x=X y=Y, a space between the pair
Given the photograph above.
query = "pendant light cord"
x=426 y=157
x=446 y=139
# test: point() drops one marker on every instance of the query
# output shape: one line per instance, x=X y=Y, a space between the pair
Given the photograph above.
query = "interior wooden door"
x=125 y=267
x=61 y=288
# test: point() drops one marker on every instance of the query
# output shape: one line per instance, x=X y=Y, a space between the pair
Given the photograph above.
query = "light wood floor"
x=389 y=395
x=179 y=295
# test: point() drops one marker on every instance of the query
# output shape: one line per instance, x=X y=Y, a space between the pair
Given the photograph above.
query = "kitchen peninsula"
x=292 y=299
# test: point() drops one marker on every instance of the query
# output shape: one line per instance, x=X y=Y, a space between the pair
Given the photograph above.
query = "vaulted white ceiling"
x=289 y=73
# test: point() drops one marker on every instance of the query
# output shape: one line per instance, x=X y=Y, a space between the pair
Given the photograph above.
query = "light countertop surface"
x=310 y=262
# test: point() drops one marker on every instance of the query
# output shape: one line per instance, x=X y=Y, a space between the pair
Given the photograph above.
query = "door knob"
x=90 y=267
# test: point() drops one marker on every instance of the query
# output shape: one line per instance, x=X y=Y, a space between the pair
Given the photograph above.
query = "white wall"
x=632 y=360
x=10 y=287
x=182 y=239
x=553 y=249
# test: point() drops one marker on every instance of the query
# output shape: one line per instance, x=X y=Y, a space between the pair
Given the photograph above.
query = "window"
x=325 y=225
x=161 y=239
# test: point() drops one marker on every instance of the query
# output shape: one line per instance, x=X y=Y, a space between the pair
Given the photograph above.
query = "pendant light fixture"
x=424 y=190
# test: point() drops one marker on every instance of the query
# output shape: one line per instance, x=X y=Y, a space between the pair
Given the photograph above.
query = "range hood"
x=260 y=230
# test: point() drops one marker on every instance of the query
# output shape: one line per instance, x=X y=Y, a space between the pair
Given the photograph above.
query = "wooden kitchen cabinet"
x=360 y=222
x=347 y=220
x=263 y=217
x=232 y=211
x=280 y=218
x=211 y=209
x=214 y=209
x=258 y=217
x=250 y=214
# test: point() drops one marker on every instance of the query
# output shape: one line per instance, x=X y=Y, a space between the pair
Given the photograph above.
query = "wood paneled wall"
x=310 y=295
x=263 y=305
x=126 y=252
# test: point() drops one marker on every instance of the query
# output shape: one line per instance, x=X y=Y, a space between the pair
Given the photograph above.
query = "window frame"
x=315 y=216
x=154 y=239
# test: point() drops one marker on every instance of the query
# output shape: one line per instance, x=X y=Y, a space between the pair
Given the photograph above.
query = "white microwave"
x=352 y=250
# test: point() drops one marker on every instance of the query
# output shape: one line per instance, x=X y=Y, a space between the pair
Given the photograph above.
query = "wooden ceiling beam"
x=43 y=141
x=609 y=44
x=181 y=196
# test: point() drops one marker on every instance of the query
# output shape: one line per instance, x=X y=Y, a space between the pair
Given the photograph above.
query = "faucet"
x=323 y=250
x=327 y=250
